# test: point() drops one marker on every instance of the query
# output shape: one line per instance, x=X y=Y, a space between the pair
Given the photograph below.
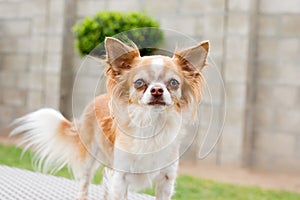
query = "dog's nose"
x=157 y=91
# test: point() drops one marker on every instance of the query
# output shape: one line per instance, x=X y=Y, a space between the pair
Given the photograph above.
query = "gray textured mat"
x=21 y=184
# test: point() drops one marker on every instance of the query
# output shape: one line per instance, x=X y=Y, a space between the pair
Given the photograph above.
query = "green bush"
x=92 y=31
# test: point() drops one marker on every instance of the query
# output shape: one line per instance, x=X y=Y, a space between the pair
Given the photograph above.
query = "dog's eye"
x=173 y=84
x=139 y=83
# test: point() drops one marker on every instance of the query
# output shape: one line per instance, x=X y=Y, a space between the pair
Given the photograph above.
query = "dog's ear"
x=193 y=58
x=119 y=55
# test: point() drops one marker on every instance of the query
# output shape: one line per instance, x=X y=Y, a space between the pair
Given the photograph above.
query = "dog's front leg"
x=85 y=173
x=119 y=187
x=165 y=187
x=166 y=182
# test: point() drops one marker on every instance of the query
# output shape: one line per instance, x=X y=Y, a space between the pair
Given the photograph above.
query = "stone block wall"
x=30 y=54
x=254 y=44
x=277 y=85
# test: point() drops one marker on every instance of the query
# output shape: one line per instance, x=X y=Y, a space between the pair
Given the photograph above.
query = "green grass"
x=187 y=187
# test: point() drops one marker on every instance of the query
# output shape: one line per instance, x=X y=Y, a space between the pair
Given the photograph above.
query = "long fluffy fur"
x=51 y=136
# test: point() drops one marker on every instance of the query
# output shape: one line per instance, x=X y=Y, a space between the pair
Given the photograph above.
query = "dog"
x=135 y=129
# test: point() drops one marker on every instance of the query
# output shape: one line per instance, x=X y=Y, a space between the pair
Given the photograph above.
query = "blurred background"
x=254 y=43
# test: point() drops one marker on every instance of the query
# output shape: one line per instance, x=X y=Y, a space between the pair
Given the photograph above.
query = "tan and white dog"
x=134 y=129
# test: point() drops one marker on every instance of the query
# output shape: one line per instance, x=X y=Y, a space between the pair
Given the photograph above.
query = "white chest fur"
x=152 y=142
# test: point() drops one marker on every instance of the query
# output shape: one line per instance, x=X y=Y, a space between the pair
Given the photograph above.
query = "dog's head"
x=155 y=81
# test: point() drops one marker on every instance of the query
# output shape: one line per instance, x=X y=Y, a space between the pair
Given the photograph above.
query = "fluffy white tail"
x=51 y=136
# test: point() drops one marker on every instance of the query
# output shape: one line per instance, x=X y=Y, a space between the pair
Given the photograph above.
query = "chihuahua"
x=135 y=129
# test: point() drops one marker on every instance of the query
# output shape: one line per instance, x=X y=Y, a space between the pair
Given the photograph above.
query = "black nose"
x=157 y=91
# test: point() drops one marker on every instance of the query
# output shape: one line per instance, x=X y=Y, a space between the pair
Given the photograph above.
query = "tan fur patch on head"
x=120 y=59
x=191 y=87
x=191 y=61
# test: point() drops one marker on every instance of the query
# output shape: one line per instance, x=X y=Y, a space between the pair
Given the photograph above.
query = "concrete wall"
x=30 y=55
x=277 y=85
x=255 y=44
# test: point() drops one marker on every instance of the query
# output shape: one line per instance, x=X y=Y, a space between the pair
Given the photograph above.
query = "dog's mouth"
x=157 y=103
